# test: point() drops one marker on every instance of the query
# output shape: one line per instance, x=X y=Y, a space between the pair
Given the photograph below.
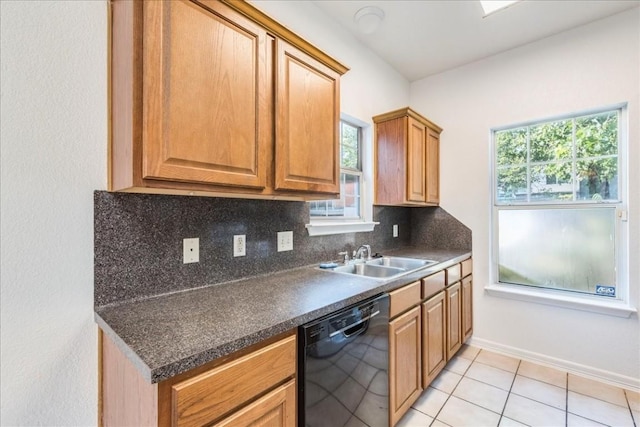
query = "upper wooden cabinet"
x=308 y=116
x=407 y=159
x=214 y=97
x=206 y=116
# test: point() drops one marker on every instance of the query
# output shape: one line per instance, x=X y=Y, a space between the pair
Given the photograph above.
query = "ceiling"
x=424 y=37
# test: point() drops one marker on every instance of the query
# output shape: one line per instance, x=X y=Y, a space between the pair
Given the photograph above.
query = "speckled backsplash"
x=436 y=228
x=138 y=240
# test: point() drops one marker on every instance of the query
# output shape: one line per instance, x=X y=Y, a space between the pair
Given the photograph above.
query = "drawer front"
x=467 y=267
x=404 y=298
x=453 y=274
x=277 y=409
x=205 y=397
x=433 y=284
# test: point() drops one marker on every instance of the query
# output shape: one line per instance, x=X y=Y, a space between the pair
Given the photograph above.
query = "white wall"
x=588 y=67
x=54 y=141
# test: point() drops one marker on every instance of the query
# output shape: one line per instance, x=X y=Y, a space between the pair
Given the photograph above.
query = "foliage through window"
x=556 y=190
x=349 y=206
x=574 y=159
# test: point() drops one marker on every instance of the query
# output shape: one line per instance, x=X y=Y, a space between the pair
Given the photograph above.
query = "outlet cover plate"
x=395 y=230
x=285 y=241
x=190 y=250
x=239 y=245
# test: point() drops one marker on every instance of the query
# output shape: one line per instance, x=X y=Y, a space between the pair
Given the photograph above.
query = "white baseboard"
x=612 y=378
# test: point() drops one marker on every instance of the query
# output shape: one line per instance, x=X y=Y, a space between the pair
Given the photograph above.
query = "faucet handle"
x=344 y=254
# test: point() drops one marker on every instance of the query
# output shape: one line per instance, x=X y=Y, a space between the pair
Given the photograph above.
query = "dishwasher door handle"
x=334 y=333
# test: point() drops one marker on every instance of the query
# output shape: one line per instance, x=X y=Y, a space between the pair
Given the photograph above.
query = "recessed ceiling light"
x=368 y=19
x=491 y=6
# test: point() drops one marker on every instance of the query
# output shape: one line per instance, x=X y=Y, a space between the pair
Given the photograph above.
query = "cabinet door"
x=467 y=308
x=454 y=305
x=307 y=123
x=405 y=363
x=205 y=113
x=433 y=166
x=275 y=409
x=416 y=157
x=434 y=342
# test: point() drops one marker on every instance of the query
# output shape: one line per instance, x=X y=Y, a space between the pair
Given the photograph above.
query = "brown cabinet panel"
x=276 y=409
x=433 y=284
x=405 y=363
x=307 y=123
x=433 y=166
x=467 y=267
x=467 y=308
x=434 y=342
x=453 y=274
x=390 y=161
x=454 y=329
x=205 y=116
x=404 y=298
x=416 y=157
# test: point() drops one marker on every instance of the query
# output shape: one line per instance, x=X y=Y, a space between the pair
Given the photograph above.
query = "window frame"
x=618 y=306
x=319 y=226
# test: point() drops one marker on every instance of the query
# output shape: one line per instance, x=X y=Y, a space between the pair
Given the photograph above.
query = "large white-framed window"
x=352 y=212
x=559 y=231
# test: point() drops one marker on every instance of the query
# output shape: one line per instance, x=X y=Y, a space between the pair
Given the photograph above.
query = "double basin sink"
x=384 y=268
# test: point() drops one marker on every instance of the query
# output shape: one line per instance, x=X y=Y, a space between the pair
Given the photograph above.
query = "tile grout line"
x=633 y=419
x=435 y=418
x=515 y=375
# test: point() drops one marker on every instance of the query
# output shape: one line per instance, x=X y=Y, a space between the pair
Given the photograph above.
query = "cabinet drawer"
x=467 y=267
x=404 y=298
x=433 y=284
x=277 y=408
x=205 y=397
x=453 y=274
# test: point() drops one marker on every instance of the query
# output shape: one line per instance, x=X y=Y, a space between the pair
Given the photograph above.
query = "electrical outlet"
x=395 y=230
x=239 y=245
x=190 y=250
x=285 y=241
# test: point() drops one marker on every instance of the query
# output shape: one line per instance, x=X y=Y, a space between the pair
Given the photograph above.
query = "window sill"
x=327 y=228
x=577 y=302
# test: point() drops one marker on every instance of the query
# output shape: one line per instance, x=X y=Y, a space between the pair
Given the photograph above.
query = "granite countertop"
x=167 y=335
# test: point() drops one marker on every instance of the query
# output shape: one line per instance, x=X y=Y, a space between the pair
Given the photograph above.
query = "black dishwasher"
x=344 y=362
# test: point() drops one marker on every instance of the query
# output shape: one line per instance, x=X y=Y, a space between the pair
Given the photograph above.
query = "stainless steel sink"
x=399 y=262
x=385 y=267
x=370 y=270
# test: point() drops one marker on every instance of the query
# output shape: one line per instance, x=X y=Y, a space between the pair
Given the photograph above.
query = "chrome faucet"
x=360 y=253
x=345 y=254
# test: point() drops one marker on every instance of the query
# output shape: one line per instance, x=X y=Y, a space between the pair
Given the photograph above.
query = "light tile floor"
x=481 y=388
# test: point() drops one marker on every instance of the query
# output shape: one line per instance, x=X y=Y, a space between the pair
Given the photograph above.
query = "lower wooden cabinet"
x=430 y=319
x=467 y=308
x=434 y=342
x=256 y=387
x=454 y=307
x=405 y=363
